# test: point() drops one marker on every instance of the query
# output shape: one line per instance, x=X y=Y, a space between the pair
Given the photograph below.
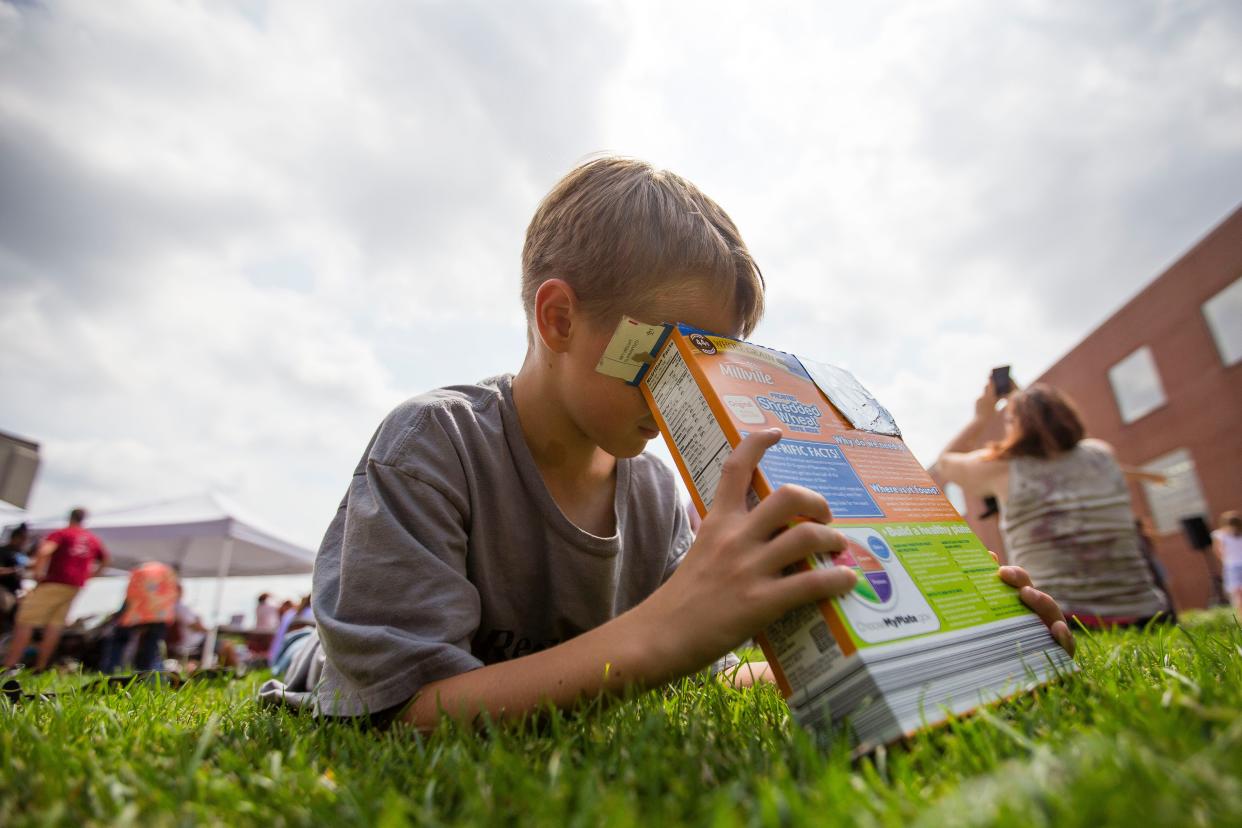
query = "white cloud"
x=934 y=189
x=233 y=235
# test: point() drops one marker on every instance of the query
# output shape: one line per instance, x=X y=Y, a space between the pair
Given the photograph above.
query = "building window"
x=1136 y=385
x=1224 y=318
x=1179 y=496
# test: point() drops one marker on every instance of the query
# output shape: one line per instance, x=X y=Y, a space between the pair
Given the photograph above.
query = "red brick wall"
x=1203 y=408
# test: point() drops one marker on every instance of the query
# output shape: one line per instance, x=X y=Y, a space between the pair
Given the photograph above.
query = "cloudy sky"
x=234 y=234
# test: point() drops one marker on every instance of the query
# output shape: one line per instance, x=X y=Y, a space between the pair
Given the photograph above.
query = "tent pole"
x=209 y=646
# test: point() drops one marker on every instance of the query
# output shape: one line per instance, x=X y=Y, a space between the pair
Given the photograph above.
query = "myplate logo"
x=702 y=343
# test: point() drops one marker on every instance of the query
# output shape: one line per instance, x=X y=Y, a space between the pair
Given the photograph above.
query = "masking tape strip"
x=632 y=349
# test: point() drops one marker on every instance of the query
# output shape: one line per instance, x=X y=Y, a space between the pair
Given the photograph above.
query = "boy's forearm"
x=604 y=661
x=730 y=583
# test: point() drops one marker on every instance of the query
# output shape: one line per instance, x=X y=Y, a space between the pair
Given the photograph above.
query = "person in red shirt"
x=66 y=559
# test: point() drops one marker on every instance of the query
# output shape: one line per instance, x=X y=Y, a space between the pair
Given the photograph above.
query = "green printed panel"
x=919 y=579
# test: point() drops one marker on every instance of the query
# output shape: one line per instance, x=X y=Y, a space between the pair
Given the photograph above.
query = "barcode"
x=822 y=638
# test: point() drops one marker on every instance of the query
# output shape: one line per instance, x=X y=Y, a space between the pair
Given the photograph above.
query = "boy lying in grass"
x=507 y=544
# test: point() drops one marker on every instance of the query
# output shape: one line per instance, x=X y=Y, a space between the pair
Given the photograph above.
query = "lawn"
x=1149 y=733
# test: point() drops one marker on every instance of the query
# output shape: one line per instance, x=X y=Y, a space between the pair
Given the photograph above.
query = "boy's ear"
x=556 y=308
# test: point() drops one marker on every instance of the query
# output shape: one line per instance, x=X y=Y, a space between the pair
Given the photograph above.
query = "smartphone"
x=1001 y=381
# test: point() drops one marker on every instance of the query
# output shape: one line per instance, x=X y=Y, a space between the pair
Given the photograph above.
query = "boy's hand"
x=731 y=583
x=1043 y=604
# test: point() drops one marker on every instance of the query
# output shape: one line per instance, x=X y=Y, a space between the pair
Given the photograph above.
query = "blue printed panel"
x=824 y=469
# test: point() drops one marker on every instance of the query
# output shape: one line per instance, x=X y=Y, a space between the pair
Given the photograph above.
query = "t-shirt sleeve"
x=395 y=608
x=682 y=538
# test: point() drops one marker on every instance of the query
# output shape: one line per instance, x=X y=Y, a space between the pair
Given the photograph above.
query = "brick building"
x=1161 y=380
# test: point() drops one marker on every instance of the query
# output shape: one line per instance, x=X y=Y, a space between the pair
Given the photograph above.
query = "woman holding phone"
x=1065 y=507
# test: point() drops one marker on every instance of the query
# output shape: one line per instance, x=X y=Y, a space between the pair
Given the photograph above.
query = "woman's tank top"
x=1068 y=521
x=1232 y=547
x=1231 y=558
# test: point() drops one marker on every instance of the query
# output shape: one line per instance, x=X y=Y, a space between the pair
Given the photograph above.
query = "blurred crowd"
x=152 y=629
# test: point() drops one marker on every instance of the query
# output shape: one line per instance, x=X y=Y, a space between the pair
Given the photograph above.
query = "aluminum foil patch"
x=850 y=398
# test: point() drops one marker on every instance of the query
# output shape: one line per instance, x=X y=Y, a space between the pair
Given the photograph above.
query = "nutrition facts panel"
x=698 y=437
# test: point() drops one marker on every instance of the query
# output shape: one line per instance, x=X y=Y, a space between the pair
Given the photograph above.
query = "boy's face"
x=611 y=413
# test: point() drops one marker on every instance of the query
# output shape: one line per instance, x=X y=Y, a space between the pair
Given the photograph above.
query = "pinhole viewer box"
x=929 y=631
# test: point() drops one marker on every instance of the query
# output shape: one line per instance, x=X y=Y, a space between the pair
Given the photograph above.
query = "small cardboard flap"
x=631 y=350
x=850 y=398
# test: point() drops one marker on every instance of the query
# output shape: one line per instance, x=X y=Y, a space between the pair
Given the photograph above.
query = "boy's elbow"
x=748 y=674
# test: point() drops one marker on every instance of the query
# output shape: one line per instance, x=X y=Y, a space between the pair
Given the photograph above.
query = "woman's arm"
x=963 y=461
x=1137 y=474
x=976 y=472
x=971 y=437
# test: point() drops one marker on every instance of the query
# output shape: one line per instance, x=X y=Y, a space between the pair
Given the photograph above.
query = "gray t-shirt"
x=449 y=552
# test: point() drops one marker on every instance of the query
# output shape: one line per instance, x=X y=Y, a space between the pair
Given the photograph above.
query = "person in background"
x=295 y=633
x=266 y=616
x=1227 y=544
x=12 y=564
x=187 y=634
x=305 y=615
x=65 y=561
x=291 y=618
x=1065 y=507
x=150 y=607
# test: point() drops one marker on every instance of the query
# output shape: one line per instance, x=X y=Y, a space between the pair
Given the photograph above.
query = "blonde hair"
x=621 y=232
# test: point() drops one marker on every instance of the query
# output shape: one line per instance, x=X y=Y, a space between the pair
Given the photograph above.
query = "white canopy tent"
x=202 y=535
x=10 y=516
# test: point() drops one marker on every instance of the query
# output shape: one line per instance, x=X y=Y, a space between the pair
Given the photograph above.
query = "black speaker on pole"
x=1197 y=532
x=1200 y=538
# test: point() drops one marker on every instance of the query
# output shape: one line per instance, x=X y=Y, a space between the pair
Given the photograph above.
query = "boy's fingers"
x=1015 y=576
x=1049 y=611
x=783 y=506
x=1043 y=604
x=800 y=542
x=1063 y=636
x=738 y=470
x=813 y=585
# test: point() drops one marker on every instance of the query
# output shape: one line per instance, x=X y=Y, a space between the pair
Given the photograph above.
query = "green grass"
x=1149 y=733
